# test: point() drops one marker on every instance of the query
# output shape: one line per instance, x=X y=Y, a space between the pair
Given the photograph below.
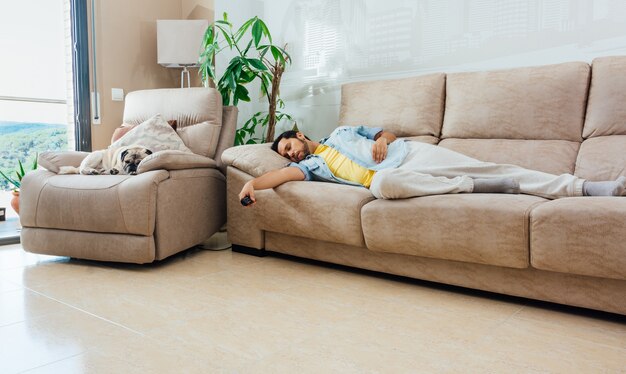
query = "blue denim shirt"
x=355 y=143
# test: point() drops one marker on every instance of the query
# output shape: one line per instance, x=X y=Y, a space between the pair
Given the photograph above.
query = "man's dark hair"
x=286 y=135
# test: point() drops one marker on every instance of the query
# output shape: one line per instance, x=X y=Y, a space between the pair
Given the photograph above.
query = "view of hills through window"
x=36 y=112
x=24 y=140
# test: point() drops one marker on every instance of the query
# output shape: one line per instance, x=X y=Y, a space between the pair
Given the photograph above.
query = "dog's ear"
x=124 y=153
x=148 y=152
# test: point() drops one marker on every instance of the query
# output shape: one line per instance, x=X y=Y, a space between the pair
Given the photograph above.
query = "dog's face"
x=131 y=157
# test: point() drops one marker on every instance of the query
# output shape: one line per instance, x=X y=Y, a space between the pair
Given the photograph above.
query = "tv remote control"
x=246 y=201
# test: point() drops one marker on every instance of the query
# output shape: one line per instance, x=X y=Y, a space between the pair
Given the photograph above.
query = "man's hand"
x=270 y=179
x=248 y=190
x=379 y=150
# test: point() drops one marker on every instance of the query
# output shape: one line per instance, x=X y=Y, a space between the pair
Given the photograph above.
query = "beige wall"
x=126 y=52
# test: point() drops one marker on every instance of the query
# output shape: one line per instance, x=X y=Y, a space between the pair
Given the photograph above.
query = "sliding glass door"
x=36 y=84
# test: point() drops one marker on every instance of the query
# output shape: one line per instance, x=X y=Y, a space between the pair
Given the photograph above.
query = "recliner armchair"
x=140 y=218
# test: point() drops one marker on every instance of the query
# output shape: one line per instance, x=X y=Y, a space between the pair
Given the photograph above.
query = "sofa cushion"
x=544 y=102
x=550 y=156
x=582 y=236
x=201 y=138
x=155 y=134
x=52 y=160
x=480 y=228
x=316 y=210
x=254 y=159
x=174 y=160
x=606 y=112
x=121 y=204
x=412 y=106
x=124 y=129
x=187 y=106
x=602 y=158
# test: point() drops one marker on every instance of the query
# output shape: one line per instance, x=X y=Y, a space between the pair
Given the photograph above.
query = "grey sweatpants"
x=433 y=170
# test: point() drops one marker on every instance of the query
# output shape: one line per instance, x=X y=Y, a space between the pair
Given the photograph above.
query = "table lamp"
x=179 y=43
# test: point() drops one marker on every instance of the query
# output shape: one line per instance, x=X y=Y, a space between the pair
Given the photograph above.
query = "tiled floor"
x=213 y=312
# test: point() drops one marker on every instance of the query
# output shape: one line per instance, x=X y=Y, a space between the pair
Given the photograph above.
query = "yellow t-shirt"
x=342 y=167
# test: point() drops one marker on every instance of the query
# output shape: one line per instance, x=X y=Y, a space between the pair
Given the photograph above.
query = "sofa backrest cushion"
x=550 y=156
x=602 y=155
x=606 y=109
x=197 y=111
x=406 y=107
x=602 y=158
x=543 y=102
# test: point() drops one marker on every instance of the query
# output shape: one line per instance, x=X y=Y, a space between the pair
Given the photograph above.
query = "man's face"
x=294 y=149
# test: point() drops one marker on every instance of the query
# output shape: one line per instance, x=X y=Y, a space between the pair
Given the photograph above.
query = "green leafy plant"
x=257 y=58
x=259 y=118
x=20 y=172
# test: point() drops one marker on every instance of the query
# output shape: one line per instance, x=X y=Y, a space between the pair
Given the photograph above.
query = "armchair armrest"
x=52 y=161
x=254 y=159
x=175 y=160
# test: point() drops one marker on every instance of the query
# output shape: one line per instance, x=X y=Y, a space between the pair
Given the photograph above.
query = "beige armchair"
x=139 y=218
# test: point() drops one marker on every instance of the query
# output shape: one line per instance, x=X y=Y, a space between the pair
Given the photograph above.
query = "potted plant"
x=17 y=182
x=257 y=58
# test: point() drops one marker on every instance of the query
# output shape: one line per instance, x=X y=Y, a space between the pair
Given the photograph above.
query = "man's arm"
x=271 y=179
x=379 y=149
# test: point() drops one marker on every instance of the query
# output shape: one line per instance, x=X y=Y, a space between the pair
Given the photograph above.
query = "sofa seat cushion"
x=120 y=204
x=584 y=236
x=316 y=210
x=479 y=228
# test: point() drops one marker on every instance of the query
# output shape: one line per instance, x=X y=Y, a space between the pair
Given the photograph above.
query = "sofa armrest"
x=174 y=160
x=254 y=159
x=52 y=161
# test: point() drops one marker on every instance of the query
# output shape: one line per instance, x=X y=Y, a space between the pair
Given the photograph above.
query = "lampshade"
x=179 y=42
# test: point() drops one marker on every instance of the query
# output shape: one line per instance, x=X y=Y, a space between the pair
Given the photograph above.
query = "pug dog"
x=113 y=161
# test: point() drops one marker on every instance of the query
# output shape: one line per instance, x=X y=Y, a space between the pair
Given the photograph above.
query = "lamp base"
x=182 y=78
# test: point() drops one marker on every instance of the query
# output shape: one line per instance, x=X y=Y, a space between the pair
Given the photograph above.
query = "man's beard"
x=305 y=151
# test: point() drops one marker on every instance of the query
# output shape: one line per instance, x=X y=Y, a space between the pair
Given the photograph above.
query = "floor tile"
x=526 y=342
x=6 y=286
x=24 y=347
x=91 y=362
x=13 y=256
x=610 y=332
x=51 y=273
x=138 y=304
x=21 y=305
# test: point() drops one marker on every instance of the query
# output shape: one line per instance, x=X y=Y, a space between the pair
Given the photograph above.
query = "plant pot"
x=15 y=201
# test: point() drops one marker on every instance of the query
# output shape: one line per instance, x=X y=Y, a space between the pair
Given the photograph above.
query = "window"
x=37 y=101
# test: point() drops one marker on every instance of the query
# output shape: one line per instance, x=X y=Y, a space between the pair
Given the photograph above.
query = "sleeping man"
x=398 y=169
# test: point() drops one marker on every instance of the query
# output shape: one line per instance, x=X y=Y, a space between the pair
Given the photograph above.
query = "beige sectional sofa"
x=564 y=118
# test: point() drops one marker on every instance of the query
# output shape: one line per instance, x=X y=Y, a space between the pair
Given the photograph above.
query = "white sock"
x=605 y=188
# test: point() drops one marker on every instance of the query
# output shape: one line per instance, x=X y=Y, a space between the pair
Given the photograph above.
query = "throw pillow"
x=174 y=160
x=201 y=138
x=122 y=130
x=52 y=161
x=155 y=134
